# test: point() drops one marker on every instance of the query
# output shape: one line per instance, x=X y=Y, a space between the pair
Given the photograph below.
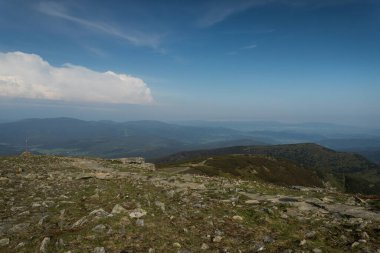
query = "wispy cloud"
x=250 y=46
x=253 y=31
x=232 y=53
x=217 y=11
x=236 y=52
x=134 y=37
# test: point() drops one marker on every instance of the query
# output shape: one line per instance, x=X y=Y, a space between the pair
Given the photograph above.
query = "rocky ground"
x=57 y=204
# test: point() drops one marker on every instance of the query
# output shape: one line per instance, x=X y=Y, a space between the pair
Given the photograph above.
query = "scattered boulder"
x=217 y=239
x=44 y=245
x=177 y=245
x=19 y=228
x=99 y=213
x=140 y=222
x=252 y=202
x=99 y=250
x=237 y=218
x=4 y=242
x=310 y=235
x=137 y=213
x=118 y=209
x=99 y=228
x=80 y=222
x=204 y=246
x=160 y=205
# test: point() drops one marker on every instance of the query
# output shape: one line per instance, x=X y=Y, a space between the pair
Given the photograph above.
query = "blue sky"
x=283 y=60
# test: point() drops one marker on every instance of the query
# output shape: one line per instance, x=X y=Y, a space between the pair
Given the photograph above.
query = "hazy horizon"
x=288 y=61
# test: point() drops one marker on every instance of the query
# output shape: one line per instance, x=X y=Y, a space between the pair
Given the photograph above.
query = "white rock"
x=217 y=238
x=41 y=221
x=20 y=245
x=4 y=242
x=80 y=222
x=160 y=205
x=99 y=213
x=99 y=250
x=177 y=245
x=237 y=218
x=44 y=245
x=137 y=213
x=204 y=246
x=140 y=222
x=99 y=228
x=118 y=209
x=252 y=201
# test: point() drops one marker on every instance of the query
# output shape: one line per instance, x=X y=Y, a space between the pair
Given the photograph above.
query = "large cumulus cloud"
x=29 y=76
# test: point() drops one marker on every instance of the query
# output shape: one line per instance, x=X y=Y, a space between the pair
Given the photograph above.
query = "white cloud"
x=29 y=76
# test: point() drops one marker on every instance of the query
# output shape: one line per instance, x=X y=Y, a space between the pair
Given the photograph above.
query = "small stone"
x=137 y=213
x=303 y=242
x=99 y=213
x=20 y=245
x=170 y=194
x=310 y=235
x=99 y=250
x=118 y=209
x=219 y=232
x=237 y=218
x=3 y=179
x=95 y=196
x=204 y=246
x=44 y=245
x=217 y=238
x=19 y=228
x=61 y=242
x=99 y=228
x=140 y=222
x=267 y=239
x=258 y=247
x=316 y=250
x=151 y=250
x=252 y=202
x=4 y=242
x=80 y=222
x=41 y=221
x=160 y=205
x=184 y=251
x=125 y=220
x=176 y=245
x=355 y=244
x=365 y=236
x=36 y=204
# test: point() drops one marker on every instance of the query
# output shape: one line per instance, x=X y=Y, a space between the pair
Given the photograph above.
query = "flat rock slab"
x=316 y=205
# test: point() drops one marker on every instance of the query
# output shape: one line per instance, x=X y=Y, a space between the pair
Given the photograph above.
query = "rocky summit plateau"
x=64 y=204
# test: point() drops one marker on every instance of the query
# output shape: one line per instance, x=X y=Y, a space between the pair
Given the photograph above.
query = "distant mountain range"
x=346 y=171
x=153 y=139
x=111 y=139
